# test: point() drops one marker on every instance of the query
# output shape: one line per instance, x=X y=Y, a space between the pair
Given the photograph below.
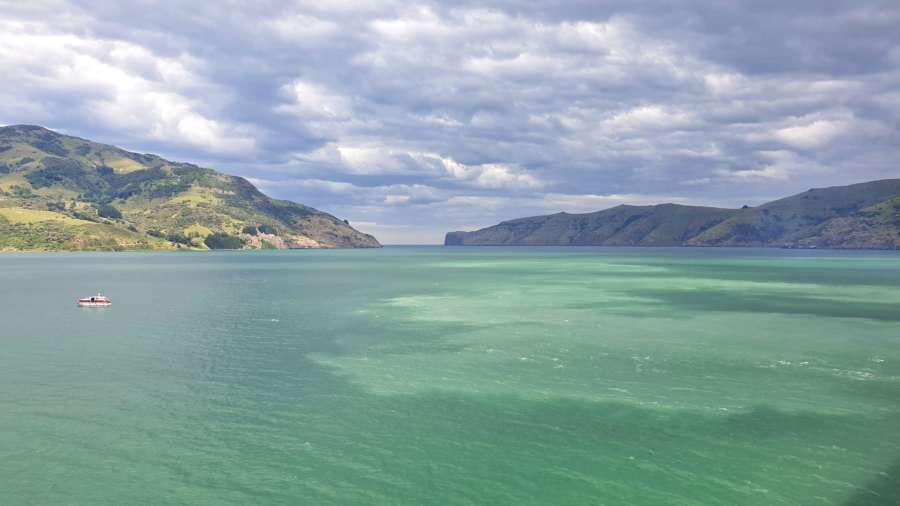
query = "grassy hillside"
x=877 y=226
x=60 y=193
x=865 y=215
x=802 y=220
x=661 y=225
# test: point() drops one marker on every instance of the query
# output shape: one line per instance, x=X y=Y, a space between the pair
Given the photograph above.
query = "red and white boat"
x=95 y=301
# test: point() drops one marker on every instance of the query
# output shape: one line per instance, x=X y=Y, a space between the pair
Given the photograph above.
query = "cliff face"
x=864 y=216
x=59 y=192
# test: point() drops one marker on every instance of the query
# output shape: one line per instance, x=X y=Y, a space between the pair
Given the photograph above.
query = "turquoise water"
x=452 y=376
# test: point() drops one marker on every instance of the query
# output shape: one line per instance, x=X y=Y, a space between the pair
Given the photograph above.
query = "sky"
x=412 y=119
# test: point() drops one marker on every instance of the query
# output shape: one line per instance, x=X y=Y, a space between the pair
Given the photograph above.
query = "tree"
x=268 y=229
x=108 y=211
x=20 y=191
x=249 y=230
x=178 y=237
x=221 y=240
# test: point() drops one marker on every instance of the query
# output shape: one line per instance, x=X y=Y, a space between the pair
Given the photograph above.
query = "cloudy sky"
x=411 y=119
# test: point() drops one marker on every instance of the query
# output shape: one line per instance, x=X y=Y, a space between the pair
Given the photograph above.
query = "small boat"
x=98 y=300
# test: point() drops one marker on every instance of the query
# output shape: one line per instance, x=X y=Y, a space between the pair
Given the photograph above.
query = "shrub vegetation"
x=220 y=240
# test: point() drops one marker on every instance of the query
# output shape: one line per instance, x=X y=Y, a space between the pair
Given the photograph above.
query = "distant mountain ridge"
x=59 y=192
x=858 y=216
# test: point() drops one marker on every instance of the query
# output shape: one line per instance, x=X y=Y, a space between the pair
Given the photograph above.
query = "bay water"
x=430 y=375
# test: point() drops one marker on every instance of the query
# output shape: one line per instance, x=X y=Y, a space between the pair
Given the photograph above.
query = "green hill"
x=660 y=225
x=814 y=218
x=64 y=193
x=865 y=216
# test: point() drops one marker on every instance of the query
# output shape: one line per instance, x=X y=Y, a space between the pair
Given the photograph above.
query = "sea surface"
x=451 y=376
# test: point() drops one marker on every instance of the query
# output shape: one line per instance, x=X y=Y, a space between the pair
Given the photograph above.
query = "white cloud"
x=370 y=160
x=648 y=117
x=813 y=134
x=313 y=100
x=336 y=187
x=370 y=195
x=367 y=159
x=303 y=28
x=122 y=86
x=772 y=166
x=765 y=173
x=725 y=83
x=397 y=199
x=490 y=175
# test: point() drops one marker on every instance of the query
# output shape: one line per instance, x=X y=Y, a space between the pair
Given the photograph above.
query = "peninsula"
x=858 y=216
x=60 y=193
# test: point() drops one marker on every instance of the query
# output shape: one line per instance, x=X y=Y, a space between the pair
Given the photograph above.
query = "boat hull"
x=94 y=303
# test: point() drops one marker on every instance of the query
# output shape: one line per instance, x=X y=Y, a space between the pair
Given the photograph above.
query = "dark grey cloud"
x=413 y=118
